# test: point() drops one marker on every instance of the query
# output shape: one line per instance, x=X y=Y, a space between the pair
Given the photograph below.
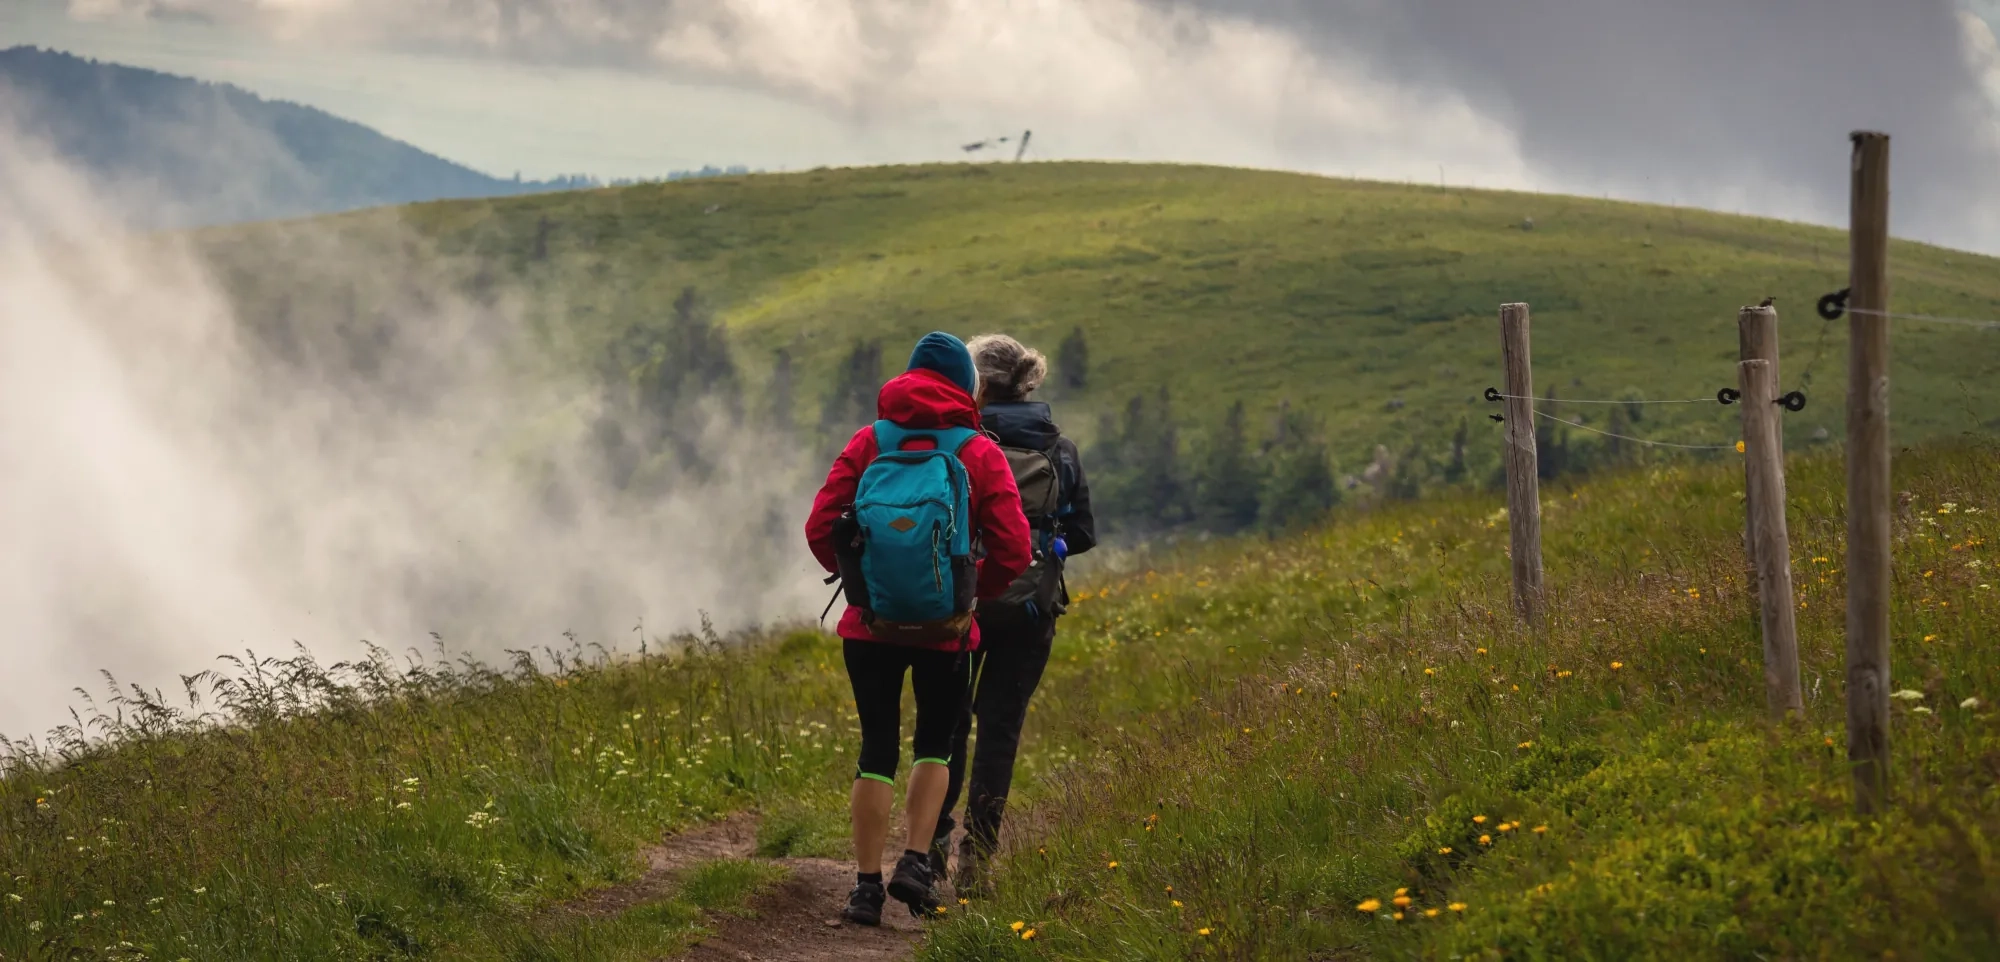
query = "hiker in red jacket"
x=937 y=392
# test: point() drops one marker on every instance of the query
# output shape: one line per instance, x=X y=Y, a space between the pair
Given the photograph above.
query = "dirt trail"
x=796 y=921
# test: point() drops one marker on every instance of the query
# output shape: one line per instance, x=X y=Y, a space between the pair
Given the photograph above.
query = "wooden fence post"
x=1524 y=498
x=1764 y=460
x=1756 y=339
x=1868 y=473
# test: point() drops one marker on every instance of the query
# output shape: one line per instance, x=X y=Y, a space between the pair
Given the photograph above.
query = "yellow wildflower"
x=1739 y=447
x=1456 y=906
x=1403 y=891
x=1930 y=637
x=1482 y=651
x=1427 y=671
x=1177 y=903
x=1025 y=936
x=1478 y=819
x=1401 y=901
x=1202 y=932
x=1111 y=865
x=1398 y=916
x=1485 y=839
x=1541 y=830
x=1617 y=665
x=1370 y=905
x=1528 y=744
x=1018 y=926
x=1430 y=913
x=965 y=901
x=1445 y=850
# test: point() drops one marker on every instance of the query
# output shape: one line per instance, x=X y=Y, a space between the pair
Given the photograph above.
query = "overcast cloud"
x=1714 y=102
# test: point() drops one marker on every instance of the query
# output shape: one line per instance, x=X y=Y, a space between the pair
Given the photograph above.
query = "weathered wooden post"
x=1764 y=459
x=1868 y=472
x=1756 y=339
x=1524 y=498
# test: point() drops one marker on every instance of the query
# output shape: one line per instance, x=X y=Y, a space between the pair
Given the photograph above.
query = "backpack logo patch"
x=903 y=524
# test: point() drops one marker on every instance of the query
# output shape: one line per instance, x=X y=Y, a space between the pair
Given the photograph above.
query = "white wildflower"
x=1969 y=704
x=1907 y=694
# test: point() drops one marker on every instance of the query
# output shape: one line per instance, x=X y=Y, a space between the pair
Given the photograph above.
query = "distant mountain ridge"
x=171 y=151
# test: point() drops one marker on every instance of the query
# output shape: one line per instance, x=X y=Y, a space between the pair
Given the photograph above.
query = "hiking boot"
x=911 y=885
x=940 y=857
x=971 y=877
x=864 y=904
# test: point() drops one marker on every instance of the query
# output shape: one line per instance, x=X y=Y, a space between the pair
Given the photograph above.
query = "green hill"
x=1249 y=750
x=1370 y=305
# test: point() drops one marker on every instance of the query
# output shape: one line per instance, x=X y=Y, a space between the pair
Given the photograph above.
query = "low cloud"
x=184 y=481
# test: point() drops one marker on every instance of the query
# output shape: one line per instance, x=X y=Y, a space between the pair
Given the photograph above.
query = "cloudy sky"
x=1734 y=104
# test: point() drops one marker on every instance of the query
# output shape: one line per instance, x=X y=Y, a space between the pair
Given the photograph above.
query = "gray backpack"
x=1037 y=594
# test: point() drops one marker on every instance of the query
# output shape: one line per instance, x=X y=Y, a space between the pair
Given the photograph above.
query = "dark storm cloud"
x=1693 y=98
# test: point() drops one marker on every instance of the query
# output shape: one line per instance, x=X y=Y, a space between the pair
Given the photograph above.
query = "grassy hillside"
x=1370 y=304
x=1250 y=750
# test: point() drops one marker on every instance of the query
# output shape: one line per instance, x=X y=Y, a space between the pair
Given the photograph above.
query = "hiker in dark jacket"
x=1015 y=635
x=935 y=396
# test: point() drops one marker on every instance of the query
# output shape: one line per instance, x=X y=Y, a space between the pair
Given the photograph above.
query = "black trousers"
x=1006 y=669
x=939 y=679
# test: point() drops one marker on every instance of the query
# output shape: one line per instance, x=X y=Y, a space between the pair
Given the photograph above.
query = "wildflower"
x=13 y=897
x=1527 y=744
x=108 y=903
x=1018 y=926
x=1111 y=865
x=201 y=889
x=1456 y=906
x=1482 y=651
x=1564 y=674
x=1505 y=826
x=1921 y=710
x=1398 y=916
x=941 y=910
x=1370 y=905
x=1617 y=665
x=1401 y=901
x=1478 y=819
x=1969 y=704
x=1402 y=891
x=1930 y=637
x=1829 y=741
x=1929 y=573
x=35 y=926
x=1177 y=902
x=1907 y=694
x=1025 y=936
x=1445 y=850
x=1485 y=839
x=1170 y=890
x=1430 y=913
x=1203 y=932
x=78 y=917
x=1333 y=694
x=965 y=901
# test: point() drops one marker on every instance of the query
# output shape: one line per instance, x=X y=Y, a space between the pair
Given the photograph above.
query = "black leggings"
x=1009 y=666
x=939 y=679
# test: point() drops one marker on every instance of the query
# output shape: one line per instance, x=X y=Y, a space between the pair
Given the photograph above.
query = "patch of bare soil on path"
x=797 y=920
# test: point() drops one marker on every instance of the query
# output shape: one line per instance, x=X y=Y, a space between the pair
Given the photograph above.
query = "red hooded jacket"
x=927 y=399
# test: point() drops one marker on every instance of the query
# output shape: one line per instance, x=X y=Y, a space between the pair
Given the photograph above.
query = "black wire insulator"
x=1794 y=401
x=1728 y=395
x=1833 y=305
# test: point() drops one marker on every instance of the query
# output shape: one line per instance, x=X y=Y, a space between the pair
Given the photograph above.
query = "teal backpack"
x=905 y=548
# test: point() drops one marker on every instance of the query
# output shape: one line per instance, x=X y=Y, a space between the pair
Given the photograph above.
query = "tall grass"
x=1606 y=788
x=1245 y=749
x=359 y=810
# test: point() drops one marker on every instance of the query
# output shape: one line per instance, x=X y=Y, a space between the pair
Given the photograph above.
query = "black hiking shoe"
x=940 y=857
x=971 y=878
x=864 y=904
x=911 y=885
